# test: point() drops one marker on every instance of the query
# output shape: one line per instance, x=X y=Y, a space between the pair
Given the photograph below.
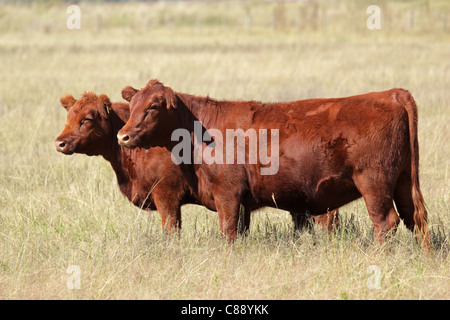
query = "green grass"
x=57 y=211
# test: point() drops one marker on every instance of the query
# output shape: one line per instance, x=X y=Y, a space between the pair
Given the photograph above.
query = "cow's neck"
x=118 y=156
x=201 y=109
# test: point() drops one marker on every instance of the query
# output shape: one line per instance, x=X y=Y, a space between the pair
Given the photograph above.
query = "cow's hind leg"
x=403 y=200
x=302 y=221
x=405 y=206
x=328 y=220
x=244 y=220
x=378 y=197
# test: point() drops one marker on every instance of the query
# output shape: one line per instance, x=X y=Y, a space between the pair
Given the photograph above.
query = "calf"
x=148 y=178
x=330 y=152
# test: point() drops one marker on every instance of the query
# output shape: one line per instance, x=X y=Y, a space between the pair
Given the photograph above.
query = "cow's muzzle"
x=124 y=140
x=62 y=146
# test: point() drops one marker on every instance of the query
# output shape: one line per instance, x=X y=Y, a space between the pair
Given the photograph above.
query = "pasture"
x=60 y=211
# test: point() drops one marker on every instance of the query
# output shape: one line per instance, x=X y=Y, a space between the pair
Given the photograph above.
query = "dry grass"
x=57 y=211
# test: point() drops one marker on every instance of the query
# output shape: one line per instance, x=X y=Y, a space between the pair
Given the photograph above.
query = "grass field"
x=58 y=211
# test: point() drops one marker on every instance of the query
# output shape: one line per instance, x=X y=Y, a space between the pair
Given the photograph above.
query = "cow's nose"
x=123 y=139
x=61 y=146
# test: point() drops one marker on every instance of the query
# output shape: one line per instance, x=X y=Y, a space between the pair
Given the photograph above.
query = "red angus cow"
x=331 y=152
x=148 y=178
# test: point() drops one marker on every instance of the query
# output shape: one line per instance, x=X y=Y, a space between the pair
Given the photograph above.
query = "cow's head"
x=152 y=116
x=89 y=128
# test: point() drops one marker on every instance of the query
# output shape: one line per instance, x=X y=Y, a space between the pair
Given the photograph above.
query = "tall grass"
x=57 y=211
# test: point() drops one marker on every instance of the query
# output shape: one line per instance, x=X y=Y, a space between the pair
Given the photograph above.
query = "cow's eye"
x=86 y=120
x=152 y=107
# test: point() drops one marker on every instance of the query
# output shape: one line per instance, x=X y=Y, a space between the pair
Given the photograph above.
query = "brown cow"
x=148 y=178
x=330 y=152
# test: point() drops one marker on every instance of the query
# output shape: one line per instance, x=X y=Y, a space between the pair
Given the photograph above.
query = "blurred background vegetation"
x=331 y=17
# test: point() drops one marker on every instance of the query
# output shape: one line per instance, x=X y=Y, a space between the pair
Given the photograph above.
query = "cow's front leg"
x=170 y=213
x=228 y=210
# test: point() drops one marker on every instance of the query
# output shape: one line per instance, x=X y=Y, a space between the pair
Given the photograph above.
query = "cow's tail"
x=420 y=212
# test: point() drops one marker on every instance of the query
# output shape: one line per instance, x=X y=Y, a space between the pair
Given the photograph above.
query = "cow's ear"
x=128 y=93
x=104 y=104
x=122 y=110
x=171 y=99
x=67 y=101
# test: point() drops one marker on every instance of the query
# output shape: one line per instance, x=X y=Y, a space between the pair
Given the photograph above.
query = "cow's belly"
x=304 y=184
x=332 y=194
x=292 y=197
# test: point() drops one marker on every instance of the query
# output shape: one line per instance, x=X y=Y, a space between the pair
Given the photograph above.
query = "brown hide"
x=331 y=152
x=148 y=178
